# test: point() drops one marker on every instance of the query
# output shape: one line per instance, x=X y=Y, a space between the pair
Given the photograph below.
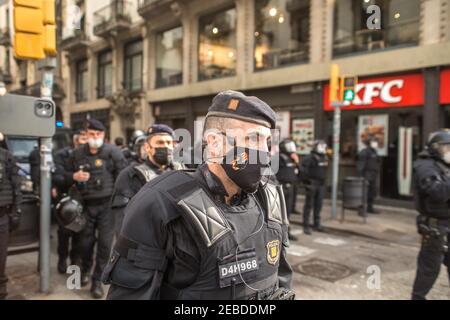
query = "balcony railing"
x=151 y=8
x=78 y=39
x=5 y=38
x=113 y=18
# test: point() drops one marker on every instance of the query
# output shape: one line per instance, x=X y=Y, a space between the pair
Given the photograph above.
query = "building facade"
x=131 y=63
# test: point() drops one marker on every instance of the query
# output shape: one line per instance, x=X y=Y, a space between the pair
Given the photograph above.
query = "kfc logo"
x=369 y=91
x=387 y=92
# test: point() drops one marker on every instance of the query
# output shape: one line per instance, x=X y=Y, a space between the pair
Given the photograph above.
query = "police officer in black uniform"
x=10 y=200
x=313 y=173
x=368 y=167
x=217 y=233
x=62 y=181
x=134 y=153
x=287 y=176
x=95 y=167
x=432 y=184
x=159 y=147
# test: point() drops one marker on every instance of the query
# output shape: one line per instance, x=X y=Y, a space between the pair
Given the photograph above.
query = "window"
x=281 y=33
x=217 y=45
x=104 y=87
x=81 y=89
x=133 y=66
x=399 y=25
x=169 y=57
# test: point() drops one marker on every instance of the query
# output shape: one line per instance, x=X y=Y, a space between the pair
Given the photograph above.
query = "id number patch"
x=243 y=266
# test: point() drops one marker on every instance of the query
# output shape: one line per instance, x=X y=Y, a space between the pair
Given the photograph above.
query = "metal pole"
x=336 y=150
x=47 y=65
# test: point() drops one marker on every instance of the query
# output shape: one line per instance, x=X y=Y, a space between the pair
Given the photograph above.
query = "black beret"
x=94 y=124
x=234 y=104
x=160 y=129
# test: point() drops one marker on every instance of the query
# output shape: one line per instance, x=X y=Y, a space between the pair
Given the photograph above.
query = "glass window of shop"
x=169 y=58
x=281 y=33
x=81 y=83
x=104 y=86
x=399 y=21
x=388 y=136
x=217 y=45
x=133 y=66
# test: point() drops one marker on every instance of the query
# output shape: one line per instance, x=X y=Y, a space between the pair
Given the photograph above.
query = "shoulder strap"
x=200 y=211
x=272 y=198
x=445 y=170
x=145 y=172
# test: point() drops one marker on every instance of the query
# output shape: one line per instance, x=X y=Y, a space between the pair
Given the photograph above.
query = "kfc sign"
x=445 y=87
x=386 y=92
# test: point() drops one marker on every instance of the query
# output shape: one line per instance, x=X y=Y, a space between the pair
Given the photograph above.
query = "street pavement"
x=342 y=263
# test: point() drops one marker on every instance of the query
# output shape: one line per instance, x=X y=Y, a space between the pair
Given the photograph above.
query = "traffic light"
x=347 y=88
x=334 y=83
x=49 y=22
x=34 y=29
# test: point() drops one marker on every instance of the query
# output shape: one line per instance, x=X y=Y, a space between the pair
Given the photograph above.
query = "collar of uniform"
x=213 y=183
x=218 y=191
x=152 y=166
x=88 y=149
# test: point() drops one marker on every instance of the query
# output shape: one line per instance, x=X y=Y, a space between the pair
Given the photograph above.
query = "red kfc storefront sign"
x=384 y=92
x=445 y=87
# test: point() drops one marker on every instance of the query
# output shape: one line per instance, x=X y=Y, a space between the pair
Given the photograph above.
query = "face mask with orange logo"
x=246 y=167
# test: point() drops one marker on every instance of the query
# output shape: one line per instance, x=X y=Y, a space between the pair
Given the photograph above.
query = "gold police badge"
x=273 y=251
x=98 y=163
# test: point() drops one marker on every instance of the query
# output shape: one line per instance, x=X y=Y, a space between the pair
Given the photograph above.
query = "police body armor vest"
x=145 y=172
x=6 y=189
x=319 y=171
x=287 y=172
x=433 y=209
x=218 y=233
x=100 y=166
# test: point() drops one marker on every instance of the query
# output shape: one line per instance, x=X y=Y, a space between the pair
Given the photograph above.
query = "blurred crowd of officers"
x=93 y=182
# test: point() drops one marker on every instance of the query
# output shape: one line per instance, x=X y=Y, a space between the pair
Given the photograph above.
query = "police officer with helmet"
x=368 y=167
x=313 y=174
x=95 y=167
x=134 y=153
x=431 y=176
x=10 y=200
x=217 y=233
x=62 y=181
x=287 y=175
x=158 y=146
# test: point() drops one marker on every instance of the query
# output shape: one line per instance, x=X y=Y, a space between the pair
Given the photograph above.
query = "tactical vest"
x=287 y=172
x=6 y=188
x=318 y=172
x=100 y=166
x=426 y=206
x=145 y=172
x=252 y=270
x=372 y=161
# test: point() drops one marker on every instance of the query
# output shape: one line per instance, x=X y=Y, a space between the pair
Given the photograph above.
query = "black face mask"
x=163 y=156
x=244 y=173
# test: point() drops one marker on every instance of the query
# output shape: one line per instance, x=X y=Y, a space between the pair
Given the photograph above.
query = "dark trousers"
x=4 y=236
x=431 y=257
x=294 y=197
x=371 y=192
x=99 y=230
x=314 y=200
x=288 y=190
x=69 y=239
